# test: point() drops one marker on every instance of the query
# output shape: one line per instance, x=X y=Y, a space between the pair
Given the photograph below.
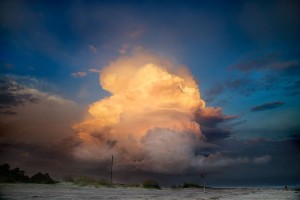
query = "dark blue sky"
x=245 y=56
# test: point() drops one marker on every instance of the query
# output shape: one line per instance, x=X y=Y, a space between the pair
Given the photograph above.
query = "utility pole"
x=203 y=179
x=111 y=169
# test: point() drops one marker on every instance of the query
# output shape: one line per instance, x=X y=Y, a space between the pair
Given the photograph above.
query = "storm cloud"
x=156 y=117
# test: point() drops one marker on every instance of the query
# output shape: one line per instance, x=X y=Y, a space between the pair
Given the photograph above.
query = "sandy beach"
x=69 y=191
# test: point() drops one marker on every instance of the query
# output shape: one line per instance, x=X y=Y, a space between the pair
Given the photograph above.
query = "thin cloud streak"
x=267 y=106
x=79 y=74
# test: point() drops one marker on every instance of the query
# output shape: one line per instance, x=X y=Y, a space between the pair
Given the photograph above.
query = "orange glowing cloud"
x=149 y=116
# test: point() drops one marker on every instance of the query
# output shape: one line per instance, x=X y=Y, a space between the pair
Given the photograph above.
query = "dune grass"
x=89 y=181
x=151 y=184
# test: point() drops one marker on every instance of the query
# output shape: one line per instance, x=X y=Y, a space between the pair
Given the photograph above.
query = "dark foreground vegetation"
x=151 y=184
x=188 y=185
x=88 y=181
x=16 y=175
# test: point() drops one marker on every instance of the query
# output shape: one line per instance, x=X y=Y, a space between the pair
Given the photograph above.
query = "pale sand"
x=69 y=191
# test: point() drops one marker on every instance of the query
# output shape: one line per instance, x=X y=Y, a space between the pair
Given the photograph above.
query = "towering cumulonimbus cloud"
x=148 y=121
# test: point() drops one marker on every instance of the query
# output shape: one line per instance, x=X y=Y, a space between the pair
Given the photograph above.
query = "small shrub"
x=190 y=185
x=134 y=185
x=151 y=184
x=175 y=186
x=42 y=178
x=127 y=185
x=68 y=178
x=88 y=181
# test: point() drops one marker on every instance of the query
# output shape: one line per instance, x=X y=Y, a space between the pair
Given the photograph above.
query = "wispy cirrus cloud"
x=259 y=73
x=273 y=61
x=293 y=89
x=92 y=49
x=267 y=106
x=81 y=74
x=78 y=74
x=244 y=86
x=262 y=160
x=94 y=70
x=8 y=65
x=124 y=48
x=137 y=32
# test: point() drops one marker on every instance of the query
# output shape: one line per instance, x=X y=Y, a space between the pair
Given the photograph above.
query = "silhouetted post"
x=111 y=169
x=203 y=179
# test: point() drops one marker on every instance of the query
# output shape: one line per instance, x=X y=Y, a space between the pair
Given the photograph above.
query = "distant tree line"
x=16 y=175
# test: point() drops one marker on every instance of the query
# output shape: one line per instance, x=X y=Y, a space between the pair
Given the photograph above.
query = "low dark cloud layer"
x=215 y=134
x=212 y=116
x=12 y=95
x=31 y=116
x=211 y=121
x=267 y=106
x=232 y=162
